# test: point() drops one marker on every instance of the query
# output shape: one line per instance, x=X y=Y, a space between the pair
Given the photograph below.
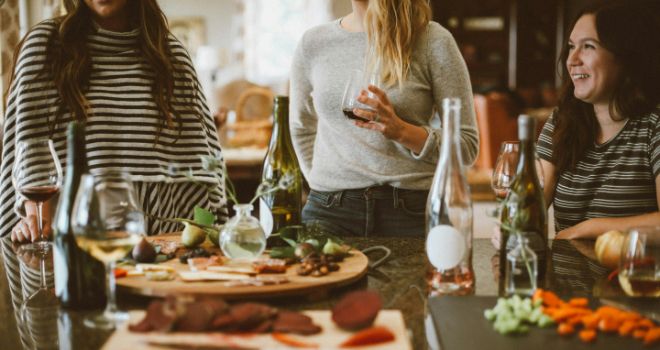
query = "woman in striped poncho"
x=115 y=65
x=600 y=150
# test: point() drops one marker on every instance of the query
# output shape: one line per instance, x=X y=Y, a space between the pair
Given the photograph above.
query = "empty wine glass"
x=504 y=171
x=505 y=168
x=37 y=177
x=107 y=223
x=357 y=82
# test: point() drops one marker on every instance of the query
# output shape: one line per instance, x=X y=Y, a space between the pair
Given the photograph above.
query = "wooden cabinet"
x=505 y=43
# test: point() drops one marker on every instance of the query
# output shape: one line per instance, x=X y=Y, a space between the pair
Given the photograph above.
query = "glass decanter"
x=521 y=268
x=242 y=236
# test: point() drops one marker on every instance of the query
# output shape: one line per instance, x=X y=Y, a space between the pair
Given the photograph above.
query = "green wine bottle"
x=79 y=278
x=283 y=207
x=523 y=211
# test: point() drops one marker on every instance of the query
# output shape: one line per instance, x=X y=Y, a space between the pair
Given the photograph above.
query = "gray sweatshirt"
x=334 y=154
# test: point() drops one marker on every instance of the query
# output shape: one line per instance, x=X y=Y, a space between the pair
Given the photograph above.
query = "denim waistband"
x=379 y=192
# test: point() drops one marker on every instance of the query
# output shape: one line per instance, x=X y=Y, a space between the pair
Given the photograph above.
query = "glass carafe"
x=242 y=236
x=521 y=268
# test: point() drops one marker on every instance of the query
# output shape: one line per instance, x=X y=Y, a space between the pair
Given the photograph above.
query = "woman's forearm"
x=413 y=137
x=593 y=228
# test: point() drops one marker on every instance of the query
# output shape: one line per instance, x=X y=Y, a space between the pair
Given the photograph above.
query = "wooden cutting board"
x=350 y=270
x=329 y=338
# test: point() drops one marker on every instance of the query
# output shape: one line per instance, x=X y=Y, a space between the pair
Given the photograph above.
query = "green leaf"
x=203 y=216
x=289 y=234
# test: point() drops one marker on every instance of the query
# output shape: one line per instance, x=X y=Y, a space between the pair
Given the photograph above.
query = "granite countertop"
x=400 y=281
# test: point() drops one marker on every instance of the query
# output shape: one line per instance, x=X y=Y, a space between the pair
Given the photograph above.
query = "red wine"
x=39 y=193
x=350 y=115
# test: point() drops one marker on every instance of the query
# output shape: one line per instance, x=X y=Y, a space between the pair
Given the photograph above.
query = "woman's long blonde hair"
x=393 y=27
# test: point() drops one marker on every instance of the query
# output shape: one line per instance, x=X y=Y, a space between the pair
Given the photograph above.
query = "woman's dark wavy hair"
x=70 y=63
x=630 y=30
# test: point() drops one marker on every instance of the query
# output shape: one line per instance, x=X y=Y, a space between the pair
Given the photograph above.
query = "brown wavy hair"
x=392 y=30
x=629 y=30
x=70 y=63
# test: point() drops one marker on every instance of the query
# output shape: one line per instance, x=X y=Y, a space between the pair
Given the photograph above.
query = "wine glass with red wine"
x=37 y=177
x=357 y=82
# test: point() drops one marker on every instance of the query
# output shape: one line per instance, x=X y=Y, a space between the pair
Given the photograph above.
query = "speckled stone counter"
x=400 y=281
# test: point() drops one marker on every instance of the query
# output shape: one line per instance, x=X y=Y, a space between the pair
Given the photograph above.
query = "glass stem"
x=111 y=305
x=42 y=267
x=40 y=205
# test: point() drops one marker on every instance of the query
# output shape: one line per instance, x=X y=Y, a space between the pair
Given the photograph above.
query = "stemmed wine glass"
x=37 y=176
x=504 y=171
x=357 y=82
x=107 y=222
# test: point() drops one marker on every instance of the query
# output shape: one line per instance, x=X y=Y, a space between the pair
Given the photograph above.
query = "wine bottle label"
x=265 y=217
x=445 y=247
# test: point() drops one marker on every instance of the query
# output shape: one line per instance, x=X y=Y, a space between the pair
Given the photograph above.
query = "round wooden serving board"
x=350 y=270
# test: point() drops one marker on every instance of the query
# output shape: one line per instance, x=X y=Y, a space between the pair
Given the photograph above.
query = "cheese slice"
x=232 y=269
x=189 y=276
x=153 y=267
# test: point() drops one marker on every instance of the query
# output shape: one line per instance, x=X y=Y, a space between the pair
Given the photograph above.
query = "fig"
x=332 y=248
x=304 y=249
x=192 y=235
x=144 y=252
x=357 y=310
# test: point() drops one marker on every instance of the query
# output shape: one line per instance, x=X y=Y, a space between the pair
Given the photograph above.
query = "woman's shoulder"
x=42 y=31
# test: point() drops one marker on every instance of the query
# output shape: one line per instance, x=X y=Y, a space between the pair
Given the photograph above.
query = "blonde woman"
x=373 y=177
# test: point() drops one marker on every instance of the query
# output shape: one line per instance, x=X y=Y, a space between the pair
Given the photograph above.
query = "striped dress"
x=614 y=179
x=122 y=131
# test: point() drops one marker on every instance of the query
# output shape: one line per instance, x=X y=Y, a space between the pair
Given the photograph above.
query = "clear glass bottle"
x=242 y=236
x=521 y=269
x=449 y=214
x=283 y=207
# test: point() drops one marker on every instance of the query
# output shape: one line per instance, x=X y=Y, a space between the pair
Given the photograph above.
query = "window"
x=272 y=31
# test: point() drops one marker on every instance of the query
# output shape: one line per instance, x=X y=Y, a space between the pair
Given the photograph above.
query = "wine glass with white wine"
x=107 y=223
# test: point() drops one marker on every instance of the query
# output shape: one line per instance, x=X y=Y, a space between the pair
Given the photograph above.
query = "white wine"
x=113 y=247
x=523 y=211
x=79 y=278
x=283 y=207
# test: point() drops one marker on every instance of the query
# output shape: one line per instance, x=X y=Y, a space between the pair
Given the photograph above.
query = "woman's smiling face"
x=593 y=69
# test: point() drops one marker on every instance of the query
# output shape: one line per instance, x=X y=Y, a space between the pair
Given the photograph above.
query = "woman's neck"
x=354 y=22
x=114 y=24
x=609 y=127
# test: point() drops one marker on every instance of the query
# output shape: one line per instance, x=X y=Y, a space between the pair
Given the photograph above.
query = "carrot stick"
x=578 y=302
x=587 y=335
x=627 y=328
x=652 y=336
x=565 y=329
x=373 y=335
x=291 y=341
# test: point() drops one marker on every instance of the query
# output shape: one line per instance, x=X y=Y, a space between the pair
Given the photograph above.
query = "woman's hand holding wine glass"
x=37 y=177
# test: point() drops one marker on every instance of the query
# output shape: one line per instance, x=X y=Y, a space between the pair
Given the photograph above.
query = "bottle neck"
x=527 y=160
x=450 y=132
x=281 y=136
x=243 y=209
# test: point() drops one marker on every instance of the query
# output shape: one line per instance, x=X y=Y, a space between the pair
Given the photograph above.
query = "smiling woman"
x=601 y=148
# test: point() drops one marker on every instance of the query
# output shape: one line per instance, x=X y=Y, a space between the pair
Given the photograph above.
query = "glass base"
x=106 y=320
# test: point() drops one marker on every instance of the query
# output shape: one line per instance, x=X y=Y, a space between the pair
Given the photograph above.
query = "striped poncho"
x=122 y=131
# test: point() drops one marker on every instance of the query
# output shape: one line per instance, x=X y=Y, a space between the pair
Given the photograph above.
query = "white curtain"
x=272 y=31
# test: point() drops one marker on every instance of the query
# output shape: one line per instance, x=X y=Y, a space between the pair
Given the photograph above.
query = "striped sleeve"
x=544 y=143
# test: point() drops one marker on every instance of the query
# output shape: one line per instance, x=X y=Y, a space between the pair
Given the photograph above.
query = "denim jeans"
x=380 y=210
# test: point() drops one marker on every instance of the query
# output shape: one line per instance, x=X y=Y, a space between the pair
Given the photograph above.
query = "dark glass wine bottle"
x=79 y=278
x=523 y=211
x=281 y=208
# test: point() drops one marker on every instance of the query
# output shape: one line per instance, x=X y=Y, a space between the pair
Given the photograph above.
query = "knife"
x=652 y=313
